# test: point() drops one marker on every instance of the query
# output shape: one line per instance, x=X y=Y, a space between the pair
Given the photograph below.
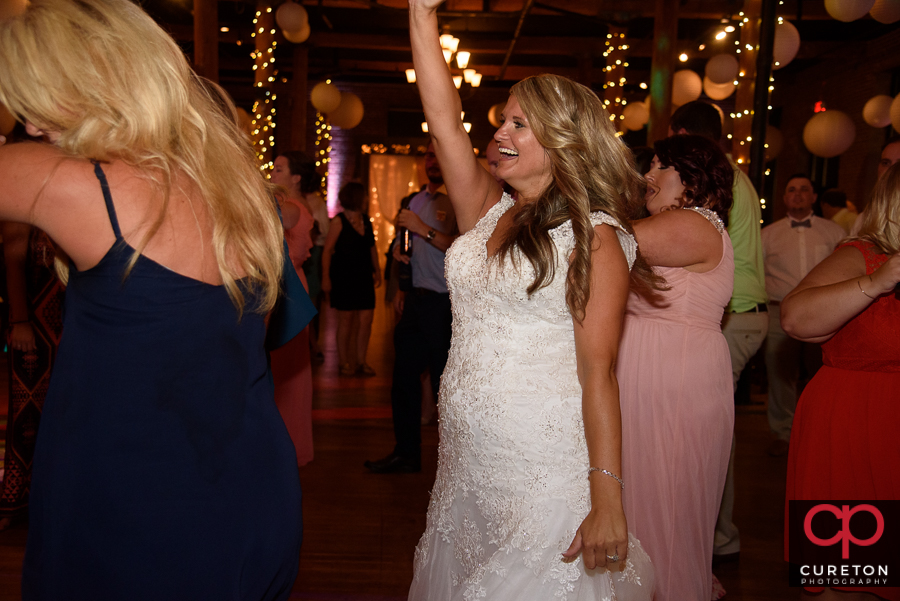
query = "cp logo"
x=844 y=514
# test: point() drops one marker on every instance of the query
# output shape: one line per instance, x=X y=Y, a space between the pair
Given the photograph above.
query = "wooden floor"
x=361 y=529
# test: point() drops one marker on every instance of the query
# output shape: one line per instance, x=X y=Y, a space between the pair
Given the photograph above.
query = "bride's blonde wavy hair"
x=115 y=86
x=591 y=171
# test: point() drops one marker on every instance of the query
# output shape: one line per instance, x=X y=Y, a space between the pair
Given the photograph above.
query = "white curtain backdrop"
x=391 y=177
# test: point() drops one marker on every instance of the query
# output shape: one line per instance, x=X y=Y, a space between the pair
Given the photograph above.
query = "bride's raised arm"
x=471 y=188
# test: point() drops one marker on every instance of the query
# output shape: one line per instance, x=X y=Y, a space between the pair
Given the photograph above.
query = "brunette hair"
x=880 y=222
x=704 y=169
x=116 y=86
x=698 y=118
x=352 y=196
x=591 y=171
x=299 y=163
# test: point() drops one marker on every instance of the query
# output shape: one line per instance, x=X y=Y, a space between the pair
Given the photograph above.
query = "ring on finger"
x=614 y=558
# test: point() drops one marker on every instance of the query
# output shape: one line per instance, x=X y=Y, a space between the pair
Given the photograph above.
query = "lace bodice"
x=513 y=456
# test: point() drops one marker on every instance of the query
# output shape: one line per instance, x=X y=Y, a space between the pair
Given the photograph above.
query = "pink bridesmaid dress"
x=677 y=402
x=291 y=368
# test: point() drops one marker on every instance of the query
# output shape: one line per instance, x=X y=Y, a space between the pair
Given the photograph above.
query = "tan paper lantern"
x=722 y=68
x=298 y=36
x=718 y=91
x=848 y=10
x=11 y=8
x=636 y=116
x=774 y=142
x=686 y=87
x=886 y=11
x=494 y=114
x=325 y=97
x=349 y=113
x=786 y=44
x=291 y=17
x=877 y=111
x=829 y=133
x=895 y=113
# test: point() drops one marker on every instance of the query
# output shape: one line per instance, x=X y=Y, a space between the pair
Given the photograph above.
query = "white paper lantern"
x=877 y=111
x=325 y=97
x=848 y=10
x=349 y=113
x=774 y=142
x=291 y=17
x=686 y=87
x=636 y=116
x=494 y=114
x=718 y=91
x=722 y=68
x=786 y=44
x=895 y=113
x=297 y=37
x=829 y=133
x=886 y=11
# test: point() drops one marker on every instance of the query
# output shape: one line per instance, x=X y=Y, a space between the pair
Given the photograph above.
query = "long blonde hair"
x=115 y=86
x=591 y=170
x=881 y=220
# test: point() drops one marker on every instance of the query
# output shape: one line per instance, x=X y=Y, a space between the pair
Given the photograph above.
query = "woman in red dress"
x=844 y=438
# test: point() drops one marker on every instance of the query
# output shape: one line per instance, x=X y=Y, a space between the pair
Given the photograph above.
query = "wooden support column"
x=263 y=115
x=743 y=104
x=761 y=95
x=613 y=90
x=206 y=39
x=299 y=97
x=665 y=34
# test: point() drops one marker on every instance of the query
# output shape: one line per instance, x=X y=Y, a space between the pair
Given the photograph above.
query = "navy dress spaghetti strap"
x=163 y=469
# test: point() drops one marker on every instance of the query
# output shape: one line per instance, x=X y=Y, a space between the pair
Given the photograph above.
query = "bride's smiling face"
x=665 y=190
x=524 y=163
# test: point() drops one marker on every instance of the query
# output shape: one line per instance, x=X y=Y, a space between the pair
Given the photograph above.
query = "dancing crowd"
x=584 y=315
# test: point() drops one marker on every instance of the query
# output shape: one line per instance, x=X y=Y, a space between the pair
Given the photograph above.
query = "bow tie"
x=804 y=223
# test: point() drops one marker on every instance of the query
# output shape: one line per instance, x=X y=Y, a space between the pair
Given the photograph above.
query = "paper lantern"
x=774 y=142
x=718 y=91
x=886 y=11
x=325 y=97
x=722 y=68
x=686 y=87
x=636 y=116
x=291 y=17
x=11 y=8
x=848 y=10
x=349 y=113
x=895 y=113
x=786 y=44
x=829 y=133
x=297 y=37
x=494 y=114
x=877 y=111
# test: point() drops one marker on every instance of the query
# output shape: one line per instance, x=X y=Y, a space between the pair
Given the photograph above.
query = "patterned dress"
x=29 y=372
x=512 y=486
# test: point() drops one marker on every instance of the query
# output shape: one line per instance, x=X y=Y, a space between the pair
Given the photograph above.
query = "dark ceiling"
x=367 y=40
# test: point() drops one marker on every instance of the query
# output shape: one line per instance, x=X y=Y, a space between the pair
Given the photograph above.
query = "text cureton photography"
x=844 y=543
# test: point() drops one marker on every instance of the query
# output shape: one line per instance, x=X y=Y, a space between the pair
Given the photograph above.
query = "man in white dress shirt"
x=791 y=247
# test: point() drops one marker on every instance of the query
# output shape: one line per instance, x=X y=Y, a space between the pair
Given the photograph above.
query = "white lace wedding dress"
x=512 y=486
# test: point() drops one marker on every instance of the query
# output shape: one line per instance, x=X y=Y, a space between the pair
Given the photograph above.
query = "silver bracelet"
x=607 y=473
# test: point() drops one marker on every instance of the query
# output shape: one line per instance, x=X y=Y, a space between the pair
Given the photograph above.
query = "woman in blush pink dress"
x=674 y=369
x=291 y=367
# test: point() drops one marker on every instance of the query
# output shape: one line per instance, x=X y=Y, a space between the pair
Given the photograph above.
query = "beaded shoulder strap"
x=711 y=216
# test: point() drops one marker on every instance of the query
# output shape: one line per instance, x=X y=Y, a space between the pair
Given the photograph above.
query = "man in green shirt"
x=746 y=321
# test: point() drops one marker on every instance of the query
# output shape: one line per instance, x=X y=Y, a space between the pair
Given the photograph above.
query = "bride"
x=527 y=504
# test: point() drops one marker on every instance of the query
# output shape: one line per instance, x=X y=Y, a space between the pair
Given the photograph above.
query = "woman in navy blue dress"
x=162 y=469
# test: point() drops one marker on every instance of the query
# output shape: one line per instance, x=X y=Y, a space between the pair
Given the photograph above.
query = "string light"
x=263 y=118
x=614 y=53
x=323 y=147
